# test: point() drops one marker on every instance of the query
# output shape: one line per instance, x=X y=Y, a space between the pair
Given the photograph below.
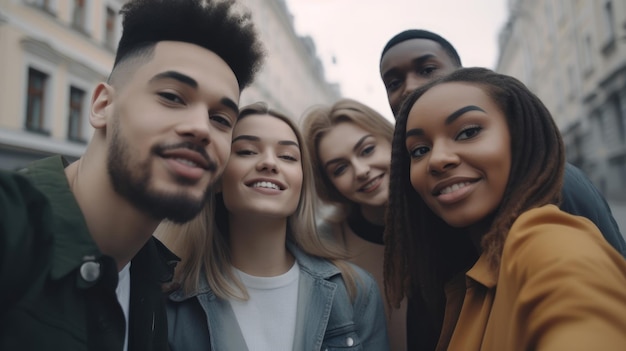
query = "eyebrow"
x=230 y=104
x=355 y=148
x=257 y=139
x=187 y=80
x=183 y=78
x=449 y=120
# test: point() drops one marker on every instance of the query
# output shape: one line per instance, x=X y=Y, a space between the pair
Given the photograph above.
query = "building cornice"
x=23 y=140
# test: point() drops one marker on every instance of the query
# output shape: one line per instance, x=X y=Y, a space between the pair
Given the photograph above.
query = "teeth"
x=186 y=162
x=268 y=185
x=454 y=187
x=370 y=184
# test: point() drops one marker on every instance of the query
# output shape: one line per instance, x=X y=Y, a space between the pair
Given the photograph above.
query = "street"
x=619 y=213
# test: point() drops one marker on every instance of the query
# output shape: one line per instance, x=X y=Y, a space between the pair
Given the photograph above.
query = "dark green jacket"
x=57 y=291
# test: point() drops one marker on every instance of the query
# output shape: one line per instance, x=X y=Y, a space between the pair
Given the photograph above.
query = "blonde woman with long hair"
x=255 y=274
x=350 y=146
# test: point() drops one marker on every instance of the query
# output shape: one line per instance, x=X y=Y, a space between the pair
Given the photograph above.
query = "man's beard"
x=131 y=180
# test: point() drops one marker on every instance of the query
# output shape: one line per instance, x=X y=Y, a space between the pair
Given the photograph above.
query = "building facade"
x=572 y=54
x=54 y=52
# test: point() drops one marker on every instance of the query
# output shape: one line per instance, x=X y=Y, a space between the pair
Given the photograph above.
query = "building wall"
x=572 y=54
x=292 y=79
x=45 y=39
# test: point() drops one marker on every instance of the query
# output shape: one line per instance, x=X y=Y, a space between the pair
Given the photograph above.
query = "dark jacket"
x=58 y=289
x=582 y=198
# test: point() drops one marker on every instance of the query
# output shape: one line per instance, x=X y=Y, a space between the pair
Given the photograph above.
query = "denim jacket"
x=326 y=318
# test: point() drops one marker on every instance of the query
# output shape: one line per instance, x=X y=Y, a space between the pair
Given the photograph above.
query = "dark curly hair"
x=422 y=252
x=213 y=25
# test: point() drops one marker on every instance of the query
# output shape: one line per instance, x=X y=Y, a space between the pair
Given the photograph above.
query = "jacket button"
x=349 y=341
x=90 y=271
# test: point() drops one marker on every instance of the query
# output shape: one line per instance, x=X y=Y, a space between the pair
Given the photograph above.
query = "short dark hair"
x=213 y=25
x=423 y=34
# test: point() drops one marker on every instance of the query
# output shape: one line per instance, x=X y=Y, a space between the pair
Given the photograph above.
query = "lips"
x=188 y=154
x=452 y=185
x=372 y=184
x=187 y=157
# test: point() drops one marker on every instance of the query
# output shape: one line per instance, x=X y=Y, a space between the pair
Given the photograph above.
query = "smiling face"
x=357 y=163
x=410 y=64
x=264 y=173
x=168 y=129
x=459 y=144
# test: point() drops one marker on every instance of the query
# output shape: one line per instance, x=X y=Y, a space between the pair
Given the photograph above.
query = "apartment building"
x=54 y=52
x=572 y=54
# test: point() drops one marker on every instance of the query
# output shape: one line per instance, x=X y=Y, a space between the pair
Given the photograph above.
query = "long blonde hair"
x=200 y=243
x=320 y=120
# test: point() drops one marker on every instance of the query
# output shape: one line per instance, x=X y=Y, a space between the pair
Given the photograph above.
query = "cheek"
x=417 y=176
x=342 y=184
x=222 y=148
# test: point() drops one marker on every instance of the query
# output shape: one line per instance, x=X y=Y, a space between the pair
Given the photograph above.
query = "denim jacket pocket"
x=343 y=338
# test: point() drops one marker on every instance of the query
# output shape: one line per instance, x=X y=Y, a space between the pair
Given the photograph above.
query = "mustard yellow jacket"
x=561 y=286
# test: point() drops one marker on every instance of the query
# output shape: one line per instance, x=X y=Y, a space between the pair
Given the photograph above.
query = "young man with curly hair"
x=79 y=267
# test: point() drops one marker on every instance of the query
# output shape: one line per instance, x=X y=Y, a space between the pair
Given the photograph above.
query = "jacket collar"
x=73 y=244
x=482 y=273
x=316 y=267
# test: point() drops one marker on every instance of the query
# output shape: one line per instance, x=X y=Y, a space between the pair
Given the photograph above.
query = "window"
x=615 y=105
x=587 y=59
x=78 y=15
x=609 y=21
x=110 y=28
x=35 y=98
x=45 y=5
x=75 y=119
x=573 y=85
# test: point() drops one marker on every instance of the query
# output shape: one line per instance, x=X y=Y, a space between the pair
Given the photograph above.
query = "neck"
x=374 y=214
x=478 y=230
x=258 y=245
x=118 y=228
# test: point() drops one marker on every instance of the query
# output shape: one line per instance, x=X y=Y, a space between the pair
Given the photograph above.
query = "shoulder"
x=24 y=207
x=548 y=225
x=361 y=274
x=582 y=198
x=548 y=237
x=17 y=190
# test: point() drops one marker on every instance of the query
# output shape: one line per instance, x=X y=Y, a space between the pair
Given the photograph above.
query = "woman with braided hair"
x=473 y=235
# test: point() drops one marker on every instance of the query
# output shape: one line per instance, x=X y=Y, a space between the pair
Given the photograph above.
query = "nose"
x=267 y=164
x=442 y=159
x=361 y=170
x=195 y=126
x=412 y=82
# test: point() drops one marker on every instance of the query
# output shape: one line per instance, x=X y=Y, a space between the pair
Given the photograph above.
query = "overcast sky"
x=353 y=32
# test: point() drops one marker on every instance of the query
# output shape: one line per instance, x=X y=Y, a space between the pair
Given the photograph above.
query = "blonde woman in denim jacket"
x=260 y=278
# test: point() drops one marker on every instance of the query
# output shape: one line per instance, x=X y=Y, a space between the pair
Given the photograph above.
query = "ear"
x=101 y=100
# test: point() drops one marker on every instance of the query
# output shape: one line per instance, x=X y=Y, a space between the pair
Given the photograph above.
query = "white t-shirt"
x=268 y=319
x=123 y=296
